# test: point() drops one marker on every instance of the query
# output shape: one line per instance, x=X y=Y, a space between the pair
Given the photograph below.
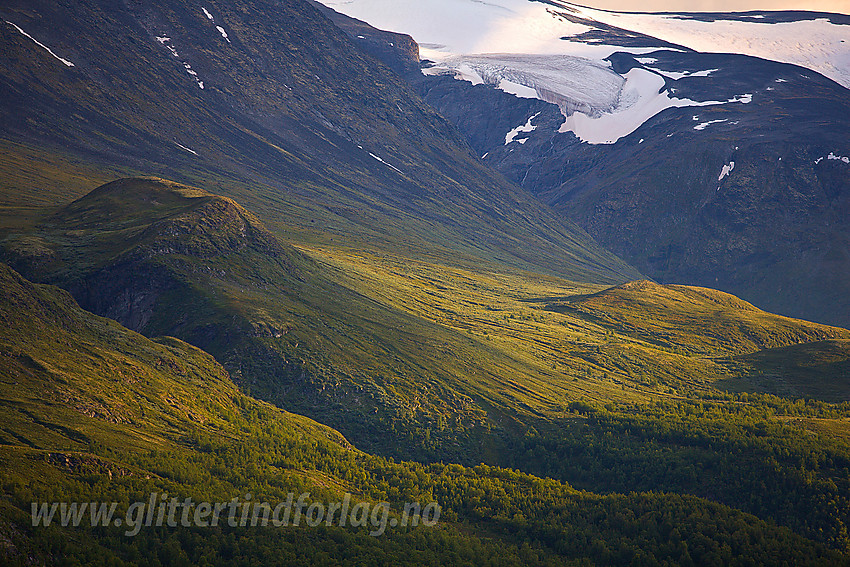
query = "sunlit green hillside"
x=94 y=412
x=454 y=361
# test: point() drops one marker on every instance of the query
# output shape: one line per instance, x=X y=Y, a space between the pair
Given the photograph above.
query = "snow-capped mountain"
x=557 y=51
x=447 y=28
x=696 y=146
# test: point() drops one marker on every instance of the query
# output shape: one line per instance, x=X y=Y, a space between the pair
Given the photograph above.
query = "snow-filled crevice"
x=220 y=29
x=166 y=42
x=41 y=45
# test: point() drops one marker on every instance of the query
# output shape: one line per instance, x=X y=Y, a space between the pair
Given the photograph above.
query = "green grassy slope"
x=168 y=259
x=452 y=363
x=449 y=360
x=94 y=412
x=72 y=380
x=702 y=320
x=631 y=342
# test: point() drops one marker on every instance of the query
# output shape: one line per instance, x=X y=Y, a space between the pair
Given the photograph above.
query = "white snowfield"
x=523 y=47
x=816 y=44
x=383 y=162
x=223 y=33
x=833 y=156
x=182 y=147
x=641 y=97
x=521 y=129
x=704 y=125
x=220 y=29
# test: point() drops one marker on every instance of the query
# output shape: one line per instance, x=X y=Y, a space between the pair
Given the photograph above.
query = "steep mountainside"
x=73 y=380
x=750 y=198
x=276 y=106
x=163 y=258
x=710 y=169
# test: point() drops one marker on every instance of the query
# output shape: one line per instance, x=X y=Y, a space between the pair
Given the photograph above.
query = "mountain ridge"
x=250 y=180
x=320 y=332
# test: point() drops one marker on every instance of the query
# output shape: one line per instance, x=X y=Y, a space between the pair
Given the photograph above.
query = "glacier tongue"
x=575 y=84
x=599 y=105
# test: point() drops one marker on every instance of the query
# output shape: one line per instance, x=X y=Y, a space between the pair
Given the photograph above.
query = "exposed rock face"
x=134 y=250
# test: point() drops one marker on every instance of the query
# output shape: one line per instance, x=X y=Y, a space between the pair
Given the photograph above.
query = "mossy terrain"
x=94 y=412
